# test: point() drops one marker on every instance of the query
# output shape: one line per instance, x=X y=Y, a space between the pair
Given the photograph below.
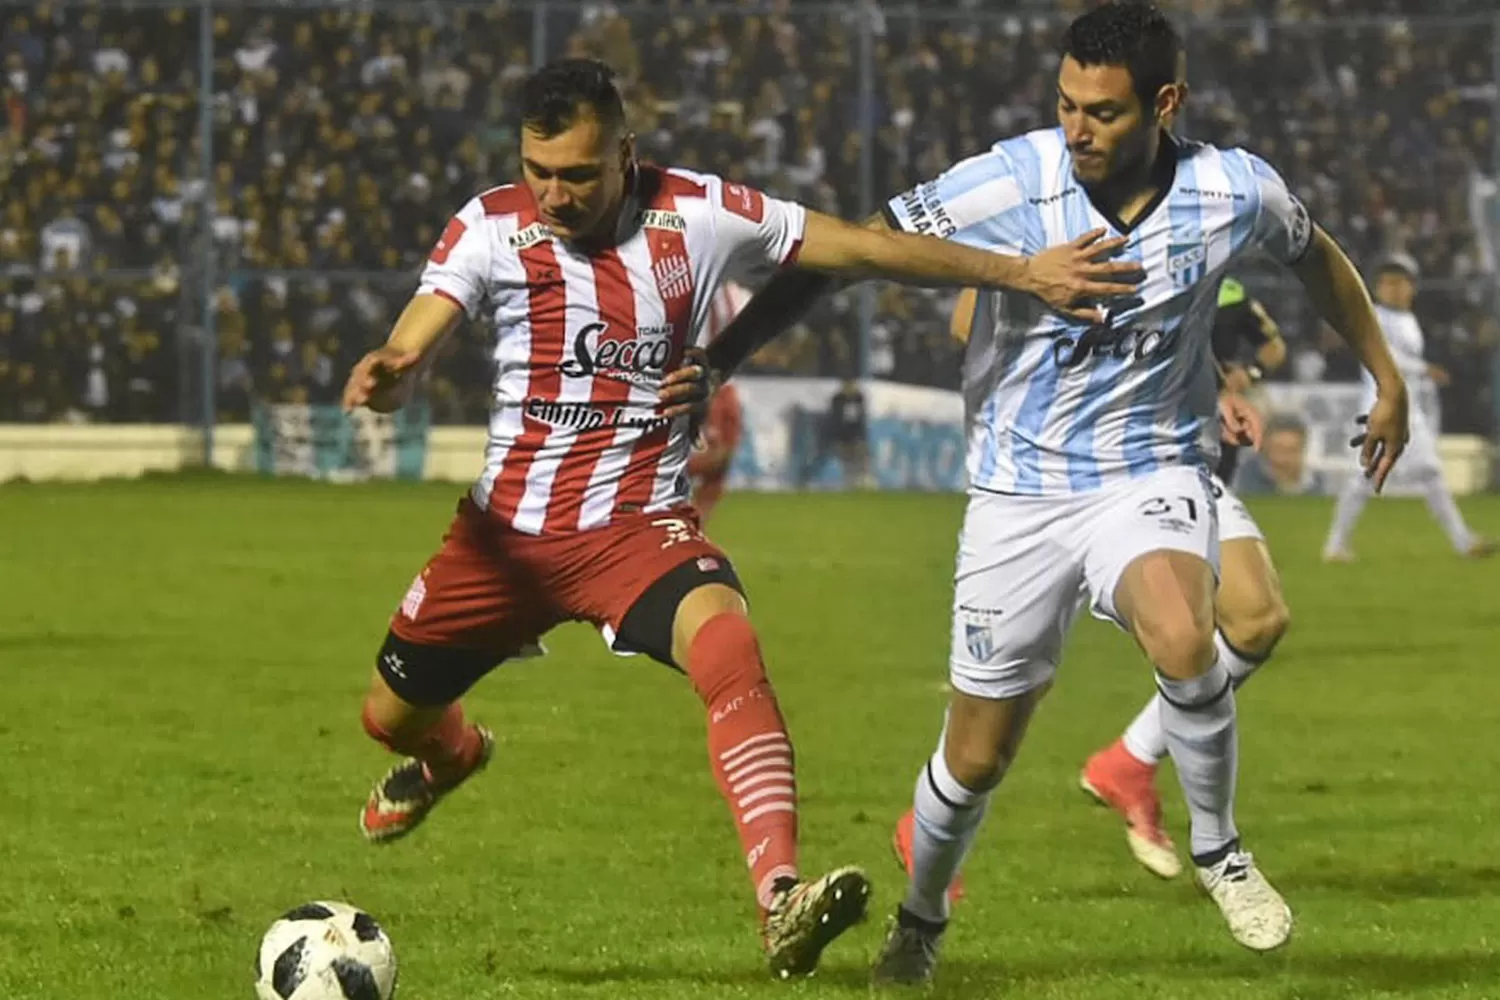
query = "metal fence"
x=204 y=204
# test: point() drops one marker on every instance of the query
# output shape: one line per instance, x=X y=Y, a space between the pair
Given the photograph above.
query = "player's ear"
x=627 y=152
x=1169 y=102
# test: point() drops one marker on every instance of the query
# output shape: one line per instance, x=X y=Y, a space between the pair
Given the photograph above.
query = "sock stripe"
x=783 y=762
x=769 y=807
x=932 y=783
x=761 y=779
x=1198 y=706
x=765 y=793
x=1249 y=658
x=752 y=741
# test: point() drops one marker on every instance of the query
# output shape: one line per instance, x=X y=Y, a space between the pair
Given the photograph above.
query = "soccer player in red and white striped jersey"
x=596 y=274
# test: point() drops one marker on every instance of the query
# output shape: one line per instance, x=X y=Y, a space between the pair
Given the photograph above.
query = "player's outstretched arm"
x=384 y=378
x=1338 y=293
x=1066 y=277
x=1069 y=277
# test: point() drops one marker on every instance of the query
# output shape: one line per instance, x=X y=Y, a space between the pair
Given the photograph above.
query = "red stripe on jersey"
x=672 y=186
x=616 y=299
x=674 y=280
x=451 y=298
x=792 y=254
x=511 y=199
x=547 y=310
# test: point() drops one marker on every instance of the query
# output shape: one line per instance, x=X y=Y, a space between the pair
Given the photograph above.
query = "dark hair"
x=1132 y=34
x=558 y=94
x=1279 y=422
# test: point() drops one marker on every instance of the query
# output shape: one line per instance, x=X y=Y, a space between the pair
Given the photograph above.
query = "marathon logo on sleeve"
x=655 y=218
x=745 y=202
x=529 y=237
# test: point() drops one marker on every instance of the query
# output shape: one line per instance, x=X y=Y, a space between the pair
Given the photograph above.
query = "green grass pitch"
x=182 y=663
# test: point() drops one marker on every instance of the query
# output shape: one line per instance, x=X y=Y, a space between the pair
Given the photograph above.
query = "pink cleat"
x=901 y=843
x=1117 y=779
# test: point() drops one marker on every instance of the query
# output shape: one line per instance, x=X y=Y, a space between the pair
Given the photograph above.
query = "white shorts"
x=1235 y=521
x=1026 y=565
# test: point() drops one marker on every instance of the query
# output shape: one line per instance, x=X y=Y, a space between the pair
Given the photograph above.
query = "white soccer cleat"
x=1339 y=556
x=1258 y=917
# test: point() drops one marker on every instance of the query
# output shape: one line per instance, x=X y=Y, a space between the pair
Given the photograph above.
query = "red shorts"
x=493 y=588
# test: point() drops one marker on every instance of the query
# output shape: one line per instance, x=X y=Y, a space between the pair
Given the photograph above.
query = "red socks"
x=748 y=747
x=449 y=747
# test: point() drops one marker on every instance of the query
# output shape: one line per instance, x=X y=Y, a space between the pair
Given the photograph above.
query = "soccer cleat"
x=1258 y=917
x=910 y=952
x=1338 y=556
x=1481 y=548
x=901 y=843
x=805 y=917
x=1117 y=779
x=404 y=797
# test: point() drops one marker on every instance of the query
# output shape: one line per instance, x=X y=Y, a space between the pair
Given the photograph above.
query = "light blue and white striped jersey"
x=1055 y=406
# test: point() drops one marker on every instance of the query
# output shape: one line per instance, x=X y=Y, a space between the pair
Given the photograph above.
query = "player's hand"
x=1386 y=429
x=1439 y=375
x=1236 y=378
x=1239 y=421
x=688 y=389
x=1071 y=277
x=376 y=376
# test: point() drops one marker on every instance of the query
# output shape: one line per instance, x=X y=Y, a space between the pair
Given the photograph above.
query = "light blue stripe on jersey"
x=1241 y=181
x=1189 y=214
x=1009 y=343
x=1078 y=444
x=1140 y=423
x=1027 y=428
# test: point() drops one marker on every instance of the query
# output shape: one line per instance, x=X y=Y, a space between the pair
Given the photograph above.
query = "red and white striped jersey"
x=582 y=340
x=727 y=301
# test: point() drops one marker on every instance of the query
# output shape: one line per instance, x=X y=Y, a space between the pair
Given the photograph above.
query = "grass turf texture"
x=183 y=661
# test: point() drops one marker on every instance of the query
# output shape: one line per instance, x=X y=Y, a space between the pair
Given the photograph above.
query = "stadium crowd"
x=343 y=137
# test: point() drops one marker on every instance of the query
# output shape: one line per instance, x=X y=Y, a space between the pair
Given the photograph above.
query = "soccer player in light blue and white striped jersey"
x=1090 y=445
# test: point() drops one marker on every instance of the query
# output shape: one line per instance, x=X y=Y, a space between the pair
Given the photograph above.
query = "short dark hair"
x=1129 y=33
x=1283 y=421
x=558 y=94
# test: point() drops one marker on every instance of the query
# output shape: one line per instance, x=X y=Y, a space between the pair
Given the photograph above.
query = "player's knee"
x=1180 y=645
x=1257 y=631
x=976 y=766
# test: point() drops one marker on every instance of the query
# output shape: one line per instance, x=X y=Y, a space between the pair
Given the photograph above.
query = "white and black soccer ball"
x=325 y=951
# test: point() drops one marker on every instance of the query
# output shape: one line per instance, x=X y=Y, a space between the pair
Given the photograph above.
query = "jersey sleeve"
x=1282 y=228
x=979 y=202
x=459 y=265
x=756 y=232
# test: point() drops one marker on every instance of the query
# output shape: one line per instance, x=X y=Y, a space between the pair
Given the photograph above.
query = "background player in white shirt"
x=1395 y=291
x=1090 y=446
x=596 y=275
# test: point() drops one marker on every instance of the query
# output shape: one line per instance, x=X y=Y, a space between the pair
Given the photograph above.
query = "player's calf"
x=406 y=712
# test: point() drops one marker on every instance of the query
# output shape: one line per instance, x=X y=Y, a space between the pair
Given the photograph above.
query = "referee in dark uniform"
x=1241 y=323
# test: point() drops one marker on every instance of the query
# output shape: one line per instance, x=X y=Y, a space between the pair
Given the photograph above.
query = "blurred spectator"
x=344 y=135
x=1281 y=464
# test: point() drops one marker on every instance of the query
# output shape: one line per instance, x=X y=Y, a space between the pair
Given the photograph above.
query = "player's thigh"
x=1250 y=607
x=631 y=577
x=468 y=610
x=1153 y=559
x=1015 y=594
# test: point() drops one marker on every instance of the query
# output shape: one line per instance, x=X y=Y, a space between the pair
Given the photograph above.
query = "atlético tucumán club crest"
x=980 y=641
